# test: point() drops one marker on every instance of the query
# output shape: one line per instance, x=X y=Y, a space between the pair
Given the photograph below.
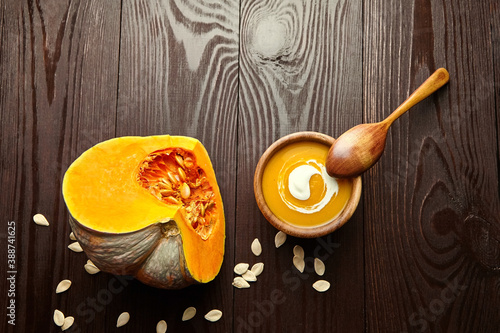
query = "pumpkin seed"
x=166 y=193
x=172 y=200
x=188 y=162
x=123 y=319
x=256 y=247
x=185 y=191
x=189 y=313
x=165 y=182
x=249 y=276
x=240 y=282
x=68 y=322
x=179 y=160
x=72 y=236
x=279 y=239
x=63 y=286
x=182 y=174
x=91 y=269
x=172 y=178
x=240 y=269
x=257 y=268
x=213 y=315
x=202 y=209
x=75 y=247
x=321 y=285
x=319 y=267
x=299 y=263
x=58 y=318
x=298 y=251
x=161 y=327
x=40 y=220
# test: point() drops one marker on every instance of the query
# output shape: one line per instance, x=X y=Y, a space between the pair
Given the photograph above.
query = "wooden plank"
x=300 y=69
x=58 y=96
x=431 y=203
x=179 y=76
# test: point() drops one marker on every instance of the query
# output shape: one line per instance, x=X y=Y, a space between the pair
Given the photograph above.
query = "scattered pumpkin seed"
x=319 y=267
x=299 y=263
x=91 y=269
x=161 y=327
x=249 y=276
x=256 y=247
x=189 y=313
x=298 y=251
x=63 y=286
x=58 y=318
x=68 y=322
x=321 y=285
x=213 y=315
x=75 y=246
x=279 y=239
x=40 y=220
x=257 y=268
x=240 y=282
x=123 y=319
x=72 y=236
x=241 y=268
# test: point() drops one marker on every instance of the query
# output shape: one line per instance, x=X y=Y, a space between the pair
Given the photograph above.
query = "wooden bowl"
x=293 y=230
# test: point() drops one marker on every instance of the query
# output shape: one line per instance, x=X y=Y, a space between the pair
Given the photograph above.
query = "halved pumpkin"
x=148 y=207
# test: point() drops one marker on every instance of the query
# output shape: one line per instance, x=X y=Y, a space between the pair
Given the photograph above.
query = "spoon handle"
x=438 y=79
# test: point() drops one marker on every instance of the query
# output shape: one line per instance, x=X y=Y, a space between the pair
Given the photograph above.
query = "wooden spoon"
x=359 y=148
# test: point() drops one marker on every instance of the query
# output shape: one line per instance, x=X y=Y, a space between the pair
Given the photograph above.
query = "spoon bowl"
x=358 y=149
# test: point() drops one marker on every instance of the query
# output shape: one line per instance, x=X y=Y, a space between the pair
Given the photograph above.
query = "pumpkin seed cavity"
x=172 y=176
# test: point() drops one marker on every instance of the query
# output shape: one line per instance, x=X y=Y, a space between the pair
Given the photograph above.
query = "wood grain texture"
x=179 y=76
x=46 y=102
x=420 y=254
x=300 y=69
x=432 y=245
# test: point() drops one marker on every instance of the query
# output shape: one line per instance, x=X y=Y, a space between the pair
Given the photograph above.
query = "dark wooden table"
x=420 y=254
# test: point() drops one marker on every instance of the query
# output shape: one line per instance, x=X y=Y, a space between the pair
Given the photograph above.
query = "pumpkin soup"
x=297 y=188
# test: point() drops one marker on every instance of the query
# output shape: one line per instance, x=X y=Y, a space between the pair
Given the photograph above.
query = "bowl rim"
x=290 y=229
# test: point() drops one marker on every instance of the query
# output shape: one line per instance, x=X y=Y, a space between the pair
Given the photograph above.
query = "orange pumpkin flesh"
x=148 y=207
